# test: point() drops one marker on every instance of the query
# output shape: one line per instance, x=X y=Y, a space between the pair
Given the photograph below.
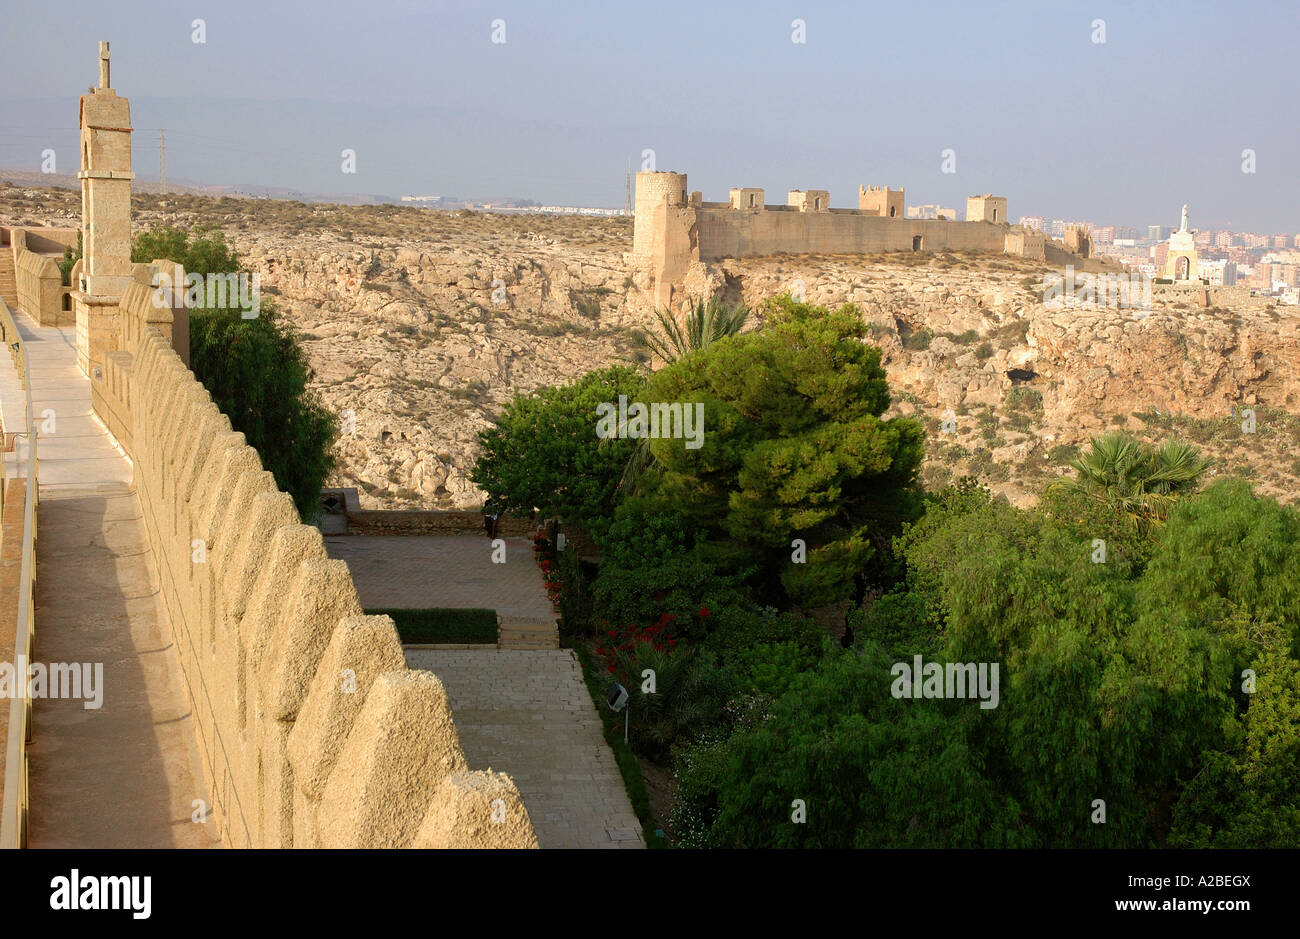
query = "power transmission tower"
x=162 y=158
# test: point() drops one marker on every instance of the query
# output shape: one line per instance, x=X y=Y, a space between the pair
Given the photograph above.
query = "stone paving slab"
x=528 y=714
x=425 y=571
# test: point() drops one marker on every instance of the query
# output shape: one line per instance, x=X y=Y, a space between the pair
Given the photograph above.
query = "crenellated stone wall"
x=39 y=284
x=672 y=230
x=312 y=730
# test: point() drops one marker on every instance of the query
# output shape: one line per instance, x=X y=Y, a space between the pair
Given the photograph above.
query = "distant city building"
x=1056 y=228
x=1159 y=232
x=1215 y=273
x=1159 y=254
x=931 y=211
x=1034 y=222
x=574 y=210
x=1224 y=239
x=1103 y=234
x=423 y=200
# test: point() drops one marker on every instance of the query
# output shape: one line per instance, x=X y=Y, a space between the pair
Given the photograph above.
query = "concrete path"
x=528 y=714
x=124 y=775
x=423 y=571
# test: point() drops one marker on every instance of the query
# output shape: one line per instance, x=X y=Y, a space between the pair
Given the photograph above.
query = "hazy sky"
x=1123 y=132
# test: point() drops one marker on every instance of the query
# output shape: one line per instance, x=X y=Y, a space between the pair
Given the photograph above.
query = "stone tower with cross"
x=105 y=216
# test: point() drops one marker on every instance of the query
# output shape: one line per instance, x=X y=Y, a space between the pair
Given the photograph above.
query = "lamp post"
x=616 y=697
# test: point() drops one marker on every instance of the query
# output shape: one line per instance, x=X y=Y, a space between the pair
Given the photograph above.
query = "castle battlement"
x=674 y=227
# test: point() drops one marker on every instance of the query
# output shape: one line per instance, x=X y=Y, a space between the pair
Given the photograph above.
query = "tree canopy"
x=794 y=448
x=255 y=369
x=543 y=451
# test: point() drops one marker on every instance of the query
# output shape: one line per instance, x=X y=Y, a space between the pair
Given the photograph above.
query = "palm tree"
x=706 y=322
x=1135 y=480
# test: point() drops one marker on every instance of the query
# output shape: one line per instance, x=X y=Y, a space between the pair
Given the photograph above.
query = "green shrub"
x=918 y=340
x=443 y=625
x=1063 y=453
x=612 y=727
x=1021 y=398
x=69 y=261
x=543 y=452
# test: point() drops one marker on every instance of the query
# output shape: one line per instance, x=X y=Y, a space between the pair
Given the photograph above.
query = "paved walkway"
x=528 y=714
x=124 y=775
x=423 y=571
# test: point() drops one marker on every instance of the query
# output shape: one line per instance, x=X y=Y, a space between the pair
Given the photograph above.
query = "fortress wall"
x=1058 y=257
x=729 y=233
x=51 y=240
x=311 y=729
x=1237 y=298
x=39 y=284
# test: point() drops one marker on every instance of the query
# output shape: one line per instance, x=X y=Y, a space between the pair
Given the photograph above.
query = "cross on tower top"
x=103 y=66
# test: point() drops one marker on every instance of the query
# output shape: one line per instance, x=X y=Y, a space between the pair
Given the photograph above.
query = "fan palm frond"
x=706 y=322
x=1135 y=480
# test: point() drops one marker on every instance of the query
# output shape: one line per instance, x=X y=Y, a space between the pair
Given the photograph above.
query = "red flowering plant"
x=546 y=562
x=629 y=649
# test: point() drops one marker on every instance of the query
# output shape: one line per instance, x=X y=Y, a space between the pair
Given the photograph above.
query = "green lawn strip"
x=612 y=723
x=441 y=625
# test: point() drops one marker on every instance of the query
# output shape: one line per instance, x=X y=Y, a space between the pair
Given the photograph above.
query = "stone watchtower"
x=105 y=216
x=986 y=208
x=1078 y=240
x=882 y=201
x=665 y=235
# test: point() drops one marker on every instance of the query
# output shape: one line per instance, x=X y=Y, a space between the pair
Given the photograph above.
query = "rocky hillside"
x=424 y=324
x=1027 y=385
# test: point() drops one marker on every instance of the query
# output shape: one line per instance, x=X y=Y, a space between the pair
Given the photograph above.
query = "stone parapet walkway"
x=123 y=775
x=528 y=714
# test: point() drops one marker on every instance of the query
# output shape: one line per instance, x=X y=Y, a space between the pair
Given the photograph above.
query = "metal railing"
x=13 y=812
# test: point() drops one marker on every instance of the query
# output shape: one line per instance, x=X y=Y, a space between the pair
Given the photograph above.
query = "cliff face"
x=425 y=323
x=426 y=342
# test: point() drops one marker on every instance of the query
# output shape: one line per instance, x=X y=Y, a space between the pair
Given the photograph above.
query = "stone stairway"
x=526 y=632
x=8 y=284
